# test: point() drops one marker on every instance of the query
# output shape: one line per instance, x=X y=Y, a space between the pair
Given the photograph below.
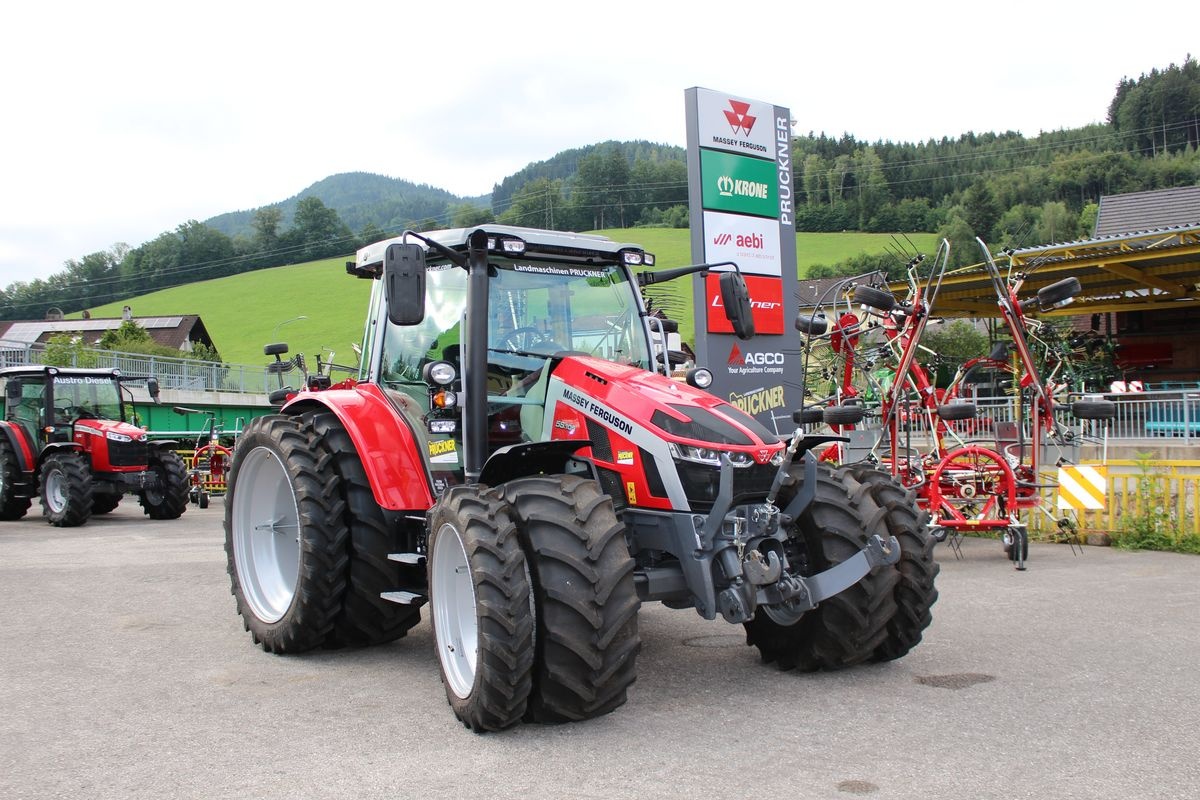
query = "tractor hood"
x=626 y=397
x=111 y=429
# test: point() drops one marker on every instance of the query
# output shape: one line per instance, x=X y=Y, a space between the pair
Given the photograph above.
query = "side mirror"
x=404 y=283
x=153 y=389
x=736 y=299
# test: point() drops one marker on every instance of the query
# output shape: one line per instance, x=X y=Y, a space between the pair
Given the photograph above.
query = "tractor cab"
x=541 y=308
x=47 y=403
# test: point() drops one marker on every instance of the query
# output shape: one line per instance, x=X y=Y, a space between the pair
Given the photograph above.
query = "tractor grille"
x=601 y=443
x=700 y=483
x=128 y=454
x=611 y=483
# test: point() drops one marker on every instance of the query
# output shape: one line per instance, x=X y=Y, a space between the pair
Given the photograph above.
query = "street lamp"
x=275 y=330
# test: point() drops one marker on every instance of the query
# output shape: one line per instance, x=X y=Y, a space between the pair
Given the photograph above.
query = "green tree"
x=65 y=350
x=318 y=232
x=468 y=215
x=954 y=343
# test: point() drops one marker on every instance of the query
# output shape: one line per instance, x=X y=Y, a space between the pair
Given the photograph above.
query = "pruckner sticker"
x=444 y=451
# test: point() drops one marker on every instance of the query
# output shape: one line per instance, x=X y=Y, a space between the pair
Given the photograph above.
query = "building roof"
x=178 y=332
x=1143 y=211
x=822 y=292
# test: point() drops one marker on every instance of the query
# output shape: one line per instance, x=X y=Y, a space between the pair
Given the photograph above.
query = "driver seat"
x=533 y=415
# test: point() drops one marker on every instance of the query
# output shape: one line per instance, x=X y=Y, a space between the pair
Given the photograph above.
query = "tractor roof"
x=45 y=369
x=558 y=245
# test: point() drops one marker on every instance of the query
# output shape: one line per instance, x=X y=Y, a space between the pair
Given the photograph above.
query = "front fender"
x=384 y=439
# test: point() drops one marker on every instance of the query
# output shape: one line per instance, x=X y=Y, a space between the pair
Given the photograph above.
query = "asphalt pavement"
x=125 y=673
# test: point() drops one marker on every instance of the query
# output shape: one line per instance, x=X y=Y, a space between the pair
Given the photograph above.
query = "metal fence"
x=1161 y=494
x=172 y=373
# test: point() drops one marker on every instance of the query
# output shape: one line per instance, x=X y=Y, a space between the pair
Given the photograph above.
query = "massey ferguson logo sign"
x=739 y=117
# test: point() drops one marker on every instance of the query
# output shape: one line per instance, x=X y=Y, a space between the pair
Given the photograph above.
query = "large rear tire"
x=365 y=618
x=12 y=505
x=480 y=608
x=66 y=489
x=586 y=603
x=170 y=500
x=845 y=629
x=917 y=568
x=285 y=536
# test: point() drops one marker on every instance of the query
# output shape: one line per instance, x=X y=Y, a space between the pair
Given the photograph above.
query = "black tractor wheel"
x=481 y=608
x=849 y=627
x=917 y=568
x=586 y=604
x=104 y=503
x=12 y=505
x=879 y=299
x=366 y=618
x=286 y=540
x=1094 y=409
x=66 y=489
x=170 y=499
x=843 y=415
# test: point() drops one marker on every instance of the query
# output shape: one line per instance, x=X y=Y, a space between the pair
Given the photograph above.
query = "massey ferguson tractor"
x=514 y=454
x=64 y=439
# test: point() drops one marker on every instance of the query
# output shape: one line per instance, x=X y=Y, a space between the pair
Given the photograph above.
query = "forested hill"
x=358 y=198
x=1009 y=188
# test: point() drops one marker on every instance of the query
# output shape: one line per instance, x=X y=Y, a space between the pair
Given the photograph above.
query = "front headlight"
x=113 y=436
x=708 y=455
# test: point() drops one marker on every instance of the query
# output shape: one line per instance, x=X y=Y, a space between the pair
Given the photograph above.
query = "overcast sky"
x=121 y=120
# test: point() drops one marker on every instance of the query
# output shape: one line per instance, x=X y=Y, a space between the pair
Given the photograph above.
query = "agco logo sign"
x=754 y=363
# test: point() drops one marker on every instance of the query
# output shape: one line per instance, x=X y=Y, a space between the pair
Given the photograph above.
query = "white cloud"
x=123 y=120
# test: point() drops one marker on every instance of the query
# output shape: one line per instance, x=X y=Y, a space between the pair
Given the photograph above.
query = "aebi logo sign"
x=766 y=303
x=748 y=241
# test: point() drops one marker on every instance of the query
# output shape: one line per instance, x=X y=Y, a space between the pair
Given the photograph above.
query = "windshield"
x=78 y=396
x=544 y=309
x=535 y=311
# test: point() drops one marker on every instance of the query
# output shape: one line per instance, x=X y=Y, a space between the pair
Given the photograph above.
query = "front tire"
x=66 y=490
x=480 y=608
x=845 y=629
x=586 y=603
x=170 y=499
x=285 y=537
x=917 y=568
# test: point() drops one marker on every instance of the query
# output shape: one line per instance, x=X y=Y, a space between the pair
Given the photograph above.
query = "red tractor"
x=64 y=439
x=514 y=453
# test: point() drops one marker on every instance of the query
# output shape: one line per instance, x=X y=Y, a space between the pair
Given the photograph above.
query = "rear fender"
x=384 y=439
x=26 y=458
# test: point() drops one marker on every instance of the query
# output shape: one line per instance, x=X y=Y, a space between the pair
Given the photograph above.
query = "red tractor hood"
x=101 y=427
x=682 y=413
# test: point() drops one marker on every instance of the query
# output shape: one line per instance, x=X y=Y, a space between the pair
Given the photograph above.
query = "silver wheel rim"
x=452 y=597
x=266 y=535
x=56 y=491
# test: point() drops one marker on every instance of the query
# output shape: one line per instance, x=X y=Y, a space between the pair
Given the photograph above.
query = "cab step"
x=404 y=598
x=416 y=559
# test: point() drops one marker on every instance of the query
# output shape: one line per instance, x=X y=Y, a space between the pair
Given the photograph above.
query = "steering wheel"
x=527 y=338
x=64 y=411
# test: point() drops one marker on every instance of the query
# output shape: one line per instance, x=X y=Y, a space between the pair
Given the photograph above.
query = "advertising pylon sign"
x=740 y=192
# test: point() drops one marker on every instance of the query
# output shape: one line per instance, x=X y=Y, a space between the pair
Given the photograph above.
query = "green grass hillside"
x=244 y=312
